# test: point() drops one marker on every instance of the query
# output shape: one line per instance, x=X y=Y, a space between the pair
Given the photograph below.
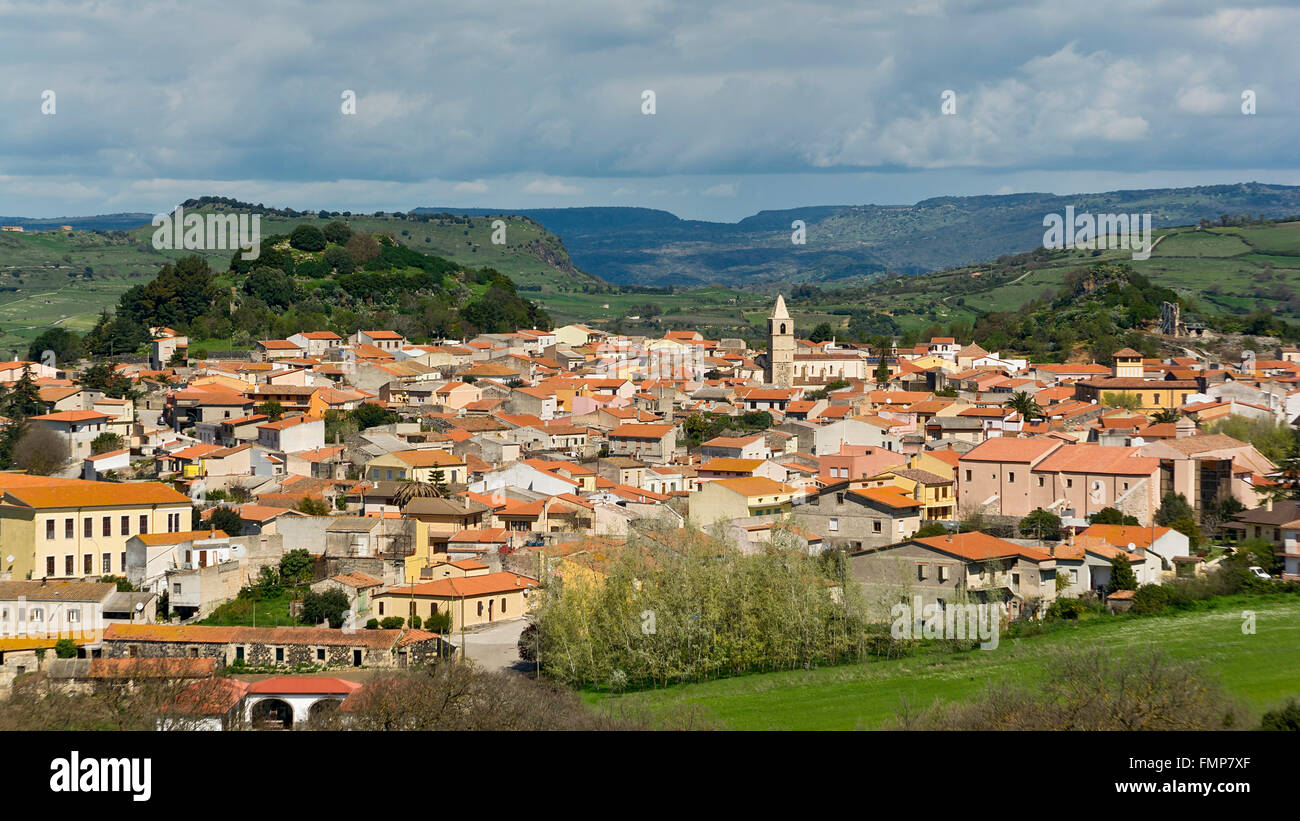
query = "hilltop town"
x=436 y=489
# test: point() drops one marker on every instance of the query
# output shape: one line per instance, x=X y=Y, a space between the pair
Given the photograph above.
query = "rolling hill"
x=65 y=278
x=850 y=243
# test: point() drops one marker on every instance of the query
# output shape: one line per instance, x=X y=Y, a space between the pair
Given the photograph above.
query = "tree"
x=338 y=259
x=416 y=490
x=337 y=232
x=822 y=333
x=1122 y=576
x=1111 y=516
x=272 y=409
x=105 y=442
x=66 y=345
x=40 y=451
x=1174 y=506
x=1283 y=718
x=1165 y=416
x=330 y=606
x=371 y=415
x=1041 y=524
x=227 y=520
x=930 y=529
x=307 y=238
x=1023 y=403
x=1122 y=399
x=297 y=566
x=271 y=285
x=65 y=649
x=313 y=506
x=363 y=248
x=23 y=399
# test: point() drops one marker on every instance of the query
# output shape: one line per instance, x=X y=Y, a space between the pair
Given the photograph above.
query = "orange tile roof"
x=485 y=585
x=1010 y=449
x=97 y=494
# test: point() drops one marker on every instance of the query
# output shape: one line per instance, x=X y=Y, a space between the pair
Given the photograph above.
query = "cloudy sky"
x=538 y=104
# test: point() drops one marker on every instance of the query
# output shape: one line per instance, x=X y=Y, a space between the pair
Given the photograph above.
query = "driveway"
x=495 y=647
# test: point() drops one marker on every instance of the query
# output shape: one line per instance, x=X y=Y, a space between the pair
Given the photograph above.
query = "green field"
x=1262 y=669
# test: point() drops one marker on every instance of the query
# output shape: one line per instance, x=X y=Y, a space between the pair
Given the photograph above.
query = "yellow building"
x=1151 y=395
x=70 y=528
x=936 y=494
x=471 y=600
x=417 y=466
x=740 y=498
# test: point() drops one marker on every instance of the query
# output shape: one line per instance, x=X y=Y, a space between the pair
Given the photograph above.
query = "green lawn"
x=267 y=612
x=1263 y=669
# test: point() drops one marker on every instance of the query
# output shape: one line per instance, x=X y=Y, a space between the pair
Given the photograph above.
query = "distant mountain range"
x=851 y=242
x=101 y=222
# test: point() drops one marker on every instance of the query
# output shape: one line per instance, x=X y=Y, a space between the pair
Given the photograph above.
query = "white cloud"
x=552 y=187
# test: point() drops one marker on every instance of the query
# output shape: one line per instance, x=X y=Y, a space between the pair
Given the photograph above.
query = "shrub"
x=65 y=649
x=1073 y=609
x=392 y=623
x=372 y=624
x=1283 y=718
x=414 y=622
x=307 y=238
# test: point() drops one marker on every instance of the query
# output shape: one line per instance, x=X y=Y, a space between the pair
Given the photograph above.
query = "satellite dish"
x=1138 y=442
x=139 y=606
x=1132 y=548
x=9 y=558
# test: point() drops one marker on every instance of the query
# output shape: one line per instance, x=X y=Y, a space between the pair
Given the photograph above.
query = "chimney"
x=1268 y=504
x=1184 y=428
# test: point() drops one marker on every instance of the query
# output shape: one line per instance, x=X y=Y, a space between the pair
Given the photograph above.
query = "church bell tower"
x=780 y=346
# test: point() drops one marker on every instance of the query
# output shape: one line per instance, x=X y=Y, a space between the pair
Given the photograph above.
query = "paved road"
x=495 y=647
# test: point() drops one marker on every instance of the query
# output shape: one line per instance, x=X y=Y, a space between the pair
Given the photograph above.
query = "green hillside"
x=64 y=279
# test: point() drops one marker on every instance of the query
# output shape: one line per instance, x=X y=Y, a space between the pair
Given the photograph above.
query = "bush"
x=414 y=622
x=1151 y=598
x=372 y=624
x=307 y=238
x=65 y=649
x=1283 y=718
x=1073 y=609
x=392 y=623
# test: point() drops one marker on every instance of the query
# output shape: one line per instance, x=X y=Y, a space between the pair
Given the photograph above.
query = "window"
x=1015 y=581
x=87 y=564
x=503 y=605
x=68 y=568
x=1011 y=476
x=1074 y=576
x=74 y=615
x=922 y=571
x=239 y=653
x=839 y=497
x=176 y=588
x=433 y=609
x=123 y=564
x=49 y=528
x=1040 y=481
x=279 y=654
x=67 y=528
x=49 y=565
x=968 y=475
x=106 y=563
x=126 y=525
x=943 y=572
x=480 y=608
x=88 y=527
x=144 y=523
x=107 y=526
x=381 y=608
x=1155 y=399
x=1069 y=483
x=875 y=526
x=38 y=614
x=834 y=525
x=411 y=610
x=320 y=653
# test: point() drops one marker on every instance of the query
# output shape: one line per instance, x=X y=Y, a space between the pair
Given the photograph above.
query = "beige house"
x=70 y=528
x=417 y=466
x=471 y=600
x=728 y=499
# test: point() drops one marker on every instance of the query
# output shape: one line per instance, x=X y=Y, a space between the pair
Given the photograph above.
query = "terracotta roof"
x=1011 y=449
x=485 y=585
x=98 y=494
x=204 y=634
x=304 y=685
x=976 y=546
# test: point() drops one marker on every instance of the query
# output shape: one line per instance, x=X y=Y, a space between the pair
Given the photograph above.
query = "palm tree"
x=1022 y=402
x=415 y=490
x=1166 y=415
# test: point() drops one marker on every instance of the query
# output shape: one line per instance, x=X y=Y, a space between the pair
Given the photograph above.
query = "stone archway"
x=272 y=714
x=324 y=713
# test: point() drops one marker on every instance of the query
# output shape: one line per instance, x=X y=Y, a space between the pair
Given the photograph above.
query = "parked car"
x=1258 y=572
